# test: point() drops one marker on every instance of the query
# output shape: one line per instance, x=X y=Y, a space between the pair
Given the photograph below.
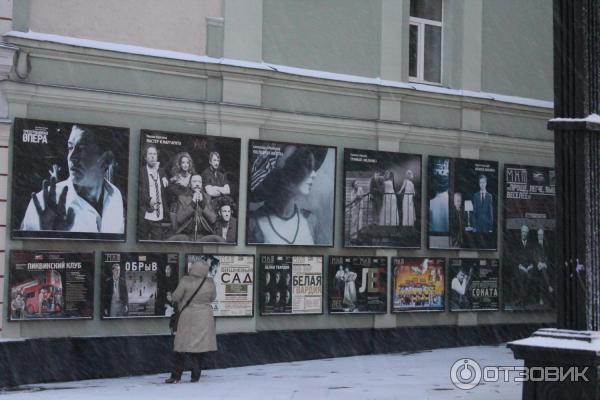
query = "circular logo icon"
x=465 y=374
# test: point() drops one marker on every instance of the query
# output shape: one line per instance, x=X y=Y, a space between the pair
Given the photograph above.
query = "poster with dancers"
x=357 y=285
x=419 y=284
x=69 y=181
x=188 y=188
x=382 y=202
x=463 y=204
x=138 y=285
x=291 y=194
x=233 y=276
x=473 y=284
x=50 y=285
x=291 y=285
x=528 y=259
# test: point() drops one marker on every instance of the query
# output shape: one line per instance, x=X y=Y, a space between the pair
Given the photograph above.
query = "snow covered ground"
x=415 y=376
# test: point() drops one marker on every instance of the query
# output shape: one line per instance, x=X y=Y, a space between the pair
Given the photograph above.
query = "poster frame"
x=260 y=287
x=334 y=195
x=185 y=260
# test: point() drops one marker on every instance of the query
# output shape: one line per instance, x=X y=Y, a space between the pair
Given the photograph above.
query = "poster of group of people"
x=291 y=284
x=50 y=285
x=419 y=284
x=138 y=285
x=291 y=194
x=69 y=181
x=188 y=188
x=530 y=220
x=382 y=203
x=357 y=284
x=473 y=284
x=463 y=204
x=233 y=276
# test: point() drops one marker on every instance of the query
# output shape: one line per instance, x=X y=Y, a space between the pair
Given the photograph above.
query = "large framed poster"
x=233 y=275
x=69 y=181
x=291 y=194
x=382 y=202
x=528 y=268
x=48 y=285
x=357 y=285
x=188 y=188
x=291 y=285
x=473 y=284
x=419 y=284
x=463 y=204
x=138 y=285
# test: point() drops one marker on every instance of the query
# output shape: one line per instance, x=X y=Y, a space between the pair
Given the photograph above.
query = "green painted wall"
x=341 y=36
x=517 y=48
x=320 y=102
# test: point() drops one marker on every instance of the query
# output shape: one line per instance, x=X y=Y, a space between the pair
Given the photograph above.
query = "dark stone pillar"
x=577 y=151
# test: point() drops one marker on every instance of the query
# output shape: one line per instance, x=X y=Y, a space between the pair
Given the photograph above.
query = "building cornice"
x=125 y=56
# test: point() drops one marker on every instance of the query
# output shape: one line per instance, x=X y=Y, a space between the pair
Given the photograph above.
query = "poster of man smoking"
x=69 y=181
x=382 y=203
x=233 y=276
x=357 y=285
x=529 y=233
x=188 y=188
x=50 y=285
x=463 y=204
x=136 y=285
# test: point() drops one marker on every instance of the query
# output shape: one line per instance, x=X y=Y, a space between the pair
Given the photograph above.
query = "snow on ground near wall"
x=415 y=376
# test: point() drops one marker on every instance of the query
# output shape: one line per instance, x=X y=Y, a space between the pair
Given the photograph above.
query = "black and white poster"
x=357 y=285
x=419 y=284
x=188 y=188
x=234 y=280
x=138 y=285
x=69 y=181
x=50 y=285
x=463 y=204
x=291 y=285
x=291 y=194
x=529 y=238
x=382 y=203
x=473 y=284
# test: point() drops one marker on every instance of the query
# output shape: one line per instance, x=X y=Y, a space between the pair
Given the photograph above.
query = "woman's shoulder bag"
x=174 y=320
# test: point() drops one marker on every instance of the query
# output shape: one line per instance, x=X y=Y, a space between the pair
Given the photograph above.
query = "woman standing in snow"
x=196 y=328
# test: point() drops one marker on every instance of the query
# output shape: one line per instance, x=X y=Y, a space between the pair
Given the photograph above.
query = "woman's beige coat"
x=196 y=328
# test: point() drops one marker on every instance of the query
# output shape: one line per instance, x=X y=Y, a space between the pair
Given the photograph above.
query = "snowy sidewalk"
x=390 y=376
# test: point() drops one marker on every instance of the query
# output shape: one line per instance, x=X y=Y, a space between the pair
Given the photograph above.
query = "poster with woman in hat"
x=291 y=194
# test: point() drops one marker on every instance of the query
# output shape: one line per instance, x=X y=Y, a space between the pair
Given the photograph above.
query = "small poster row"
x=60 y=285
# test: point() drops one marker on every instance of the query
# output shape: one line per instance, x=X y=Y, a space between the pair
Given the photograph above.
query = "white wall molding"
x=241 y=115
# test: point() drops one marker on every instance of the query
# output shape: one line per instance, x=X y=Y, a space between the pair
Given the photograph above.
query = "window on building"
x=425 y=41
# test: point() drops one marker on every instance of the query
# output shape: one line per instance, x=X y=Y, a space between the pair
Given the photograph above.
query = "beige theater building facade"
x=469 y=79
